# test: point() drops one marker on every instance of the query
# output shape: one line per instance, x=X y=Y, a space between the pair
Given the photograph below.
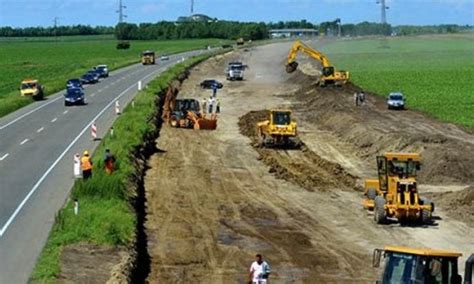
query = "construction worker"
x=259 y=271
x=204 y=105
x=214 y=90
x=210 y=104
x=109 y=161
x=86 y=165
x=361 y=98
x=356 y=99
x=218 y=105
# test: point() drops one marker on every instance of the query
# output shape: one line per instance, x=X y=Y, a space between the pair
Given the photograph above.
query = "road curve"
x=37 y=145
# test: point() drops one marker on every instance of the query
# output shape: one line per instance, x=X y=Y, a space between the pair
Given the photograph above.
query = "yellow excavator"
x=329 y=77
x=278 y=130
x=394 y=193
x=424 y=266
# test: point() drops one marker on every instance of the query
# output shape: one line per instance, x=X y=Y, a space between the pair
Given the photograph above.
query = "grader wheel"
x=379 y=210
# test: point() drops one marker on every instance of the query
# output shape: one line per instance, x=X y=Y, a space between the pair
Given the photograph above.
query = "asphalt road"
x=37 y=145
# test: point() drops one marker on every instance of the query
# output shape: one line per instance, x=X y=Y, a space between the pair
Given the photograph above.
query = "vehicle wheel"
x=66 y=104
x=379 y=210
x=425 y=216
x=425 y=201
x=371 y=193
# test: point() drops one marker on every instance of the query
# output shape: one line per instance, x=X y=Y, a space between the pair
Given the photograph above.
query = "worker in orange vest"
x=86 y=165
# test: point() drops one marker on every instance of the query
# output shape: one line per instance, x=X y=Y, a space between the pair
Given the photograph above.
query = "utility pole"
x=121 y=12
x=383 y=8
x=55 y=20
x=338 y=22
x=192 y=7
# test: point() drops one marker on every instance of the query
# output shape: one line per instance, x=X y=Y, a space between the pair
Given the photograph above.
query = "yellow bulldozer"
x=148 y=57
x=423 y=266
x=278 y=130
x=329 y=76
x=394 y=193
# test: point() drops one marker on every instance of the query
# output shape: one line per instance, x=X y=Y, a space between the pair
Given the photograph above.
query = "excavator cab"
x=328 y=71
x=408 y=265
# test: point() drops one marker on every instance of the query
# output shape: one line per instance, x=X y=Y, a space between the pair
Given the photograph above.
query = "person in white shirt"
x=259 y=271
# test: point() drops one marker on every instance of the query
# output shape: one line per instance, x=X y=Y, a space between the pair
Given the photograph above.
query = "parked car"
x=207 y=84
x=164 y=57
x=103 y=70
x=396 y=100
x=74 y=83
x=74 y=96
x=89 y=79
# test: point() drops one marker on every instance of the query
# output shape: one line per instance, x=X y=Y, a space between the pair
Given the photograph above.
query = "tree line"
x=225 y=30
x=53 y=31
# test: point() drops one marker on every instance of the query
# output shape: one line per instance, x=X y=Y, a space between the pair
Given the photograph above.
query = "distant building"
x=196 y=18
x=278 y=33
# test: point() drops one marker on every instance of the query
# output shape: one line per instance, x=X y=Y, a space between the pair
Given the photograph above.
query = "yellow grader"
x=424 y=266
x=394 y=193
x=278 y=130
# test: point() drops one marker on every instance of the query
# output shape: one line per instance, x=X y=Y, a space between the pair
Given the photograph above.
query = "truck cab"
x=148 y=57
x=32 y=88
x=235 y=71
x=424 y=266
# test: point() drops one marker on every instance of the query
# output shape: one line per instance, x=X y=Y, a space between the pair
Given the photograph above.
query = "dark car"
x=89 y=79
x=207 y=84
x=94 y=73
x=74 y=96
x=74 y=83
x=102 y=70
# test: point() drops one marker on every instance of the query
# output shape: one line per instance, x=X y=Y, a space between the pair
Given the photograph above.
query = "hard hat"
x=86 y=153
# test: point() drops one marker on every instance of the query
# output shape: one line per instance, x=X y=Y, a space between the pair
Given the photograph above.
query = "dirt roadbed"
x=215 y=199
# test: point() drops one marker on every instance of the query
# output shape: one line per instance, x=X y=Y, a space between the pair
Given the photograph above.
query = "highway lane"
x=37 y=144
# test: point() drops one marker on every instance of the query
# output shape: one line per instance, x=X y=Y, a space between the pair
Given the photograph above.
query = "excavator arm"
x=298 y=46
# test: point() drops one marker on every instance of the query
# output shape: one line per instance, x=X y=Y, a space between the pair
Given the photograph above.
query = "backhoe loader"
x=278 y=130
x=424 y=266
x=186 y=113
x=329 y=74
x=394 y=193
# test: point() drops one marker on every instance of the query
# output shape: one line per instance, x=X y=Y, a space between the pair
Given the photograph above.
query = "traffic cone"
x=117 y=107
x=94 y=131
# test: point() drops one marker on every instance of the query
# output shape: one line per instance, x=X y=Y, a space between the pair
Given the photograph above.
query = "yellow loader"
x=278 y=130
x=148 y=57
x=424 y=266
x=394 y=193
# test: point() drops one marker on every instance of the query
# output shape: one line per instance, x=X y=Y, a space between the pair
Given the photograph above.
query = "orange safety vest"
x=86 y=163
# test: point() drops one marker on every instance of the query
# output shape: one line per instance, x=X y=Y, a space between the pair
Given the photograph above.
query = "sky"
x=27 y=13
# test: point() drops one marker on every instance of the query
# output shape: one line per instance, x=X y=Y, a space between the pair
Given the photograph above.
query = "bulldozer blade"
x=207 y=124
x=291 y=67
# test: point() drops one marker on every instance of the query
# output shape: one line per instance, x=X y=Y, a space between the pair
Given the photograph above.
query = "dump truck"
x=32 y=88
x=235 y=71
x=186 y=113
x=394 y=193
x=329 y=77
x=424 y=266
x=148 y=57
x=278 y=130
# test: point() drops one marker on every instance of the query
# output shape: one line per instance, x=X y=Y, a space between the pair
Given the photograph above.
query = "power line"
x=121 y=12
x=55 y=21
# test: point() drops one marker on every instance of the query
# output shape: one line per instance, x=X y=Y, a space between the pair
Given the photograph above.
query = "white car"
x=396 y=101
x=164 y=58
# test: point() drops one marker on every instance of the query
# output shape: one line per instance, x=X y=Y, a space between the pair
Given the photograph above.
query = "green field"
x=53 y=63
x=435 y=73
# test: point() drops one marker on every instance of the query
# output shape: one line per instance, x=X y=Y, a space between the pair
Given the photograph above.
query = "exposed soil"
x=457 y=204
x=87 y=263
x=215 y=199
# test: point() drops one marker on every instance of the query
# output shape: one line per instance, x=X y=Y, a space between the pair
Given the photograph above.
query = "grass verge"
x=106 y=215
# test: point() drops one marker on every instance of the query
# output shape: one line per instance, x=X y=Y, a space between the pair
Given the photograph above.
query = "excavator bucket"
x=291 y=67
x=207 y=124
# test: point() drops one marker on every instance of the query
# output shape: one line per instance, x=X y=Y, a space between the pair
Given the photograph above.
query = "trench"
x=141 y=264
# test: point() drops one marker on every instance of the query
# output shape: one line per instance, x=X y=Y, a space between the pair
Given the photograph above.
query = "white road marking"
x=48 y=171
x=66 y=111
x=28 y=113
x=54 y=119
x=4 y=156
x=24 y=141
x=39 y=130
x=92 y=95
